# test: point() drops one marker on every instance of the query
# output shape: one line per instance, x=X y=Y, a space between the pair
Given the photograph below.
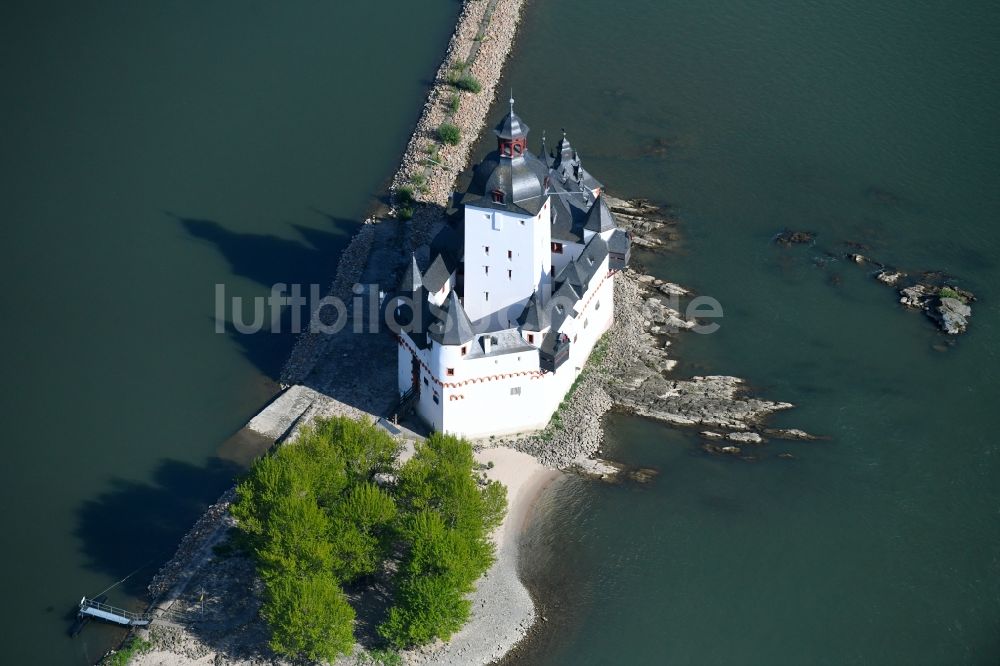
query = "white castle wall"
x=477 y=400
x=519 y=258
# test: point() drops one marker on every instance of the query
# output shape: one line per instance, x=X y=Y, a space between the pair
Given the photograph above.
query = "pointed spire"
x=534 y=317
x=599 y=217
x=454 y=327
x=511 y=127
x=565 y=155
x=411 y=280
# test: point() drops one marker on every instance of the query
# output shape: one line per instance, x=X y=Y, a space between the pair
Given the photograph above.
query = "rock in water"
x=952 y=315
x=914 y=297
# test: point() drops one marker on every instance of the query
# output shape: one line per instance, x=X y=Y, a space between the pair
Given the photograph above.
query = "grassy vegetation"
x=453 y=103
x=405 y=213
x=449 y=133
x=132 y=648
x=597 y=355
x=419 y=181
x=315 y=520
x=385 y=657
x=948 y=292
x=464 y=81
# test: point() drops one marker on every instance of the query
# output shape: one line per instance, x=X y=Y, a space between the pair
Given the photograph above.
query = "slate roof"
x=411 y=280
x=599 y=217
x=511 y=127
x=534 y=317
x=453 y=326
x=437 y=274
x=619 y=242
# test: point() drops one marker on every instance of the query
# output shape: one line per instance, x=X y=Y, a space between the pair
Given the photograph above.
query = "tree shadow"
x=135 y=524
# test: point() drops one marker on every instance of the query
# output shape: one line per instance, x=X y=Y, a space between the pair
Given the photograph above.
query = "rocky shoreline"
x=206 y=576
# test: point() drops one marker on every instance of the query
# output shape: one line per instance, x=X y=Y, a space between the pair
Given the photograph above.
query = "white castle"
x=500 y=324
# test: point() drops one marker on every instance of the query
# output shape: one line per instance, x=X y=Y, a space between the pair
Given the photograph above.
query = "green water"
x=150 y=151
x=870 y=122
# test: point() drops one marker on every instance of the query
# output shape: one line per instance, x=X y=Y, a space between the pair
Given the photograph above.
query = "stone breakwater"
x=497 y=20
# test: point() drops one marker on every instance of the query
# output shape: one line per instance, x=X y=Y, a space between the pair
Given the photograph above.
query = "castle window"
x=486 y=295
x=425 y=382
x=436 y=400
x=586 y=322
x=531 y=338
x=597 y=306
x=557 y=248
x=486 y=250
x=518 y=148
x=450 y=372
x=465 y=350
x=510 y=275
x=498 y=196
x=515 y=390
x=510 y=253
x=487 y=269
x=522 y=223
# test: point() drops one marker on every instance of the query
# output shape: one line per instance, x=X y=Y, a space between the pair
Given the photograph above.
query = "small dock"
x=92 y=608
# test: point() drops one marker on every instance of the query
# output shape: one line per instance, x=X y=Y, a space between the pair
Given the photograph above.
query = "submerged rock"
x=789 y=237
x=889 y=276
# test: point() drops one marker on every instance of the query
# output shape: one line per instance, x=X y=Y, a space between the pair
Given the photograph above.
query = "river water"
x=867 y=122
x=150 y=151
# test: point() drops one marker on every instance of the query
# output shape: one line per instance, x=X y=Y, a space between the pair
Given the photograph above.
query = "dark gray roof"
x=572 y=274
x=411 y=277
x=564 y=152
x=534 y=317
x=453 y=327
x=519 y=183
x=437 y=274
x=619 y=242
x=511 y=127
x=599 y=217
x=592 y=257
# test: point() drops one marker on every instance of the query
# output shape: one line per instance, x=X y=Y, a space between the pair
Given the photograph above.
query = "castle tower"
x=507 y=231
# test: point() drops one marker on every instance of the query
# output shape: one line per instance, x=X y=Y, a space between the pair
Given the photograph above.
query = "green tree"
x=445 y=528
x=309 y=617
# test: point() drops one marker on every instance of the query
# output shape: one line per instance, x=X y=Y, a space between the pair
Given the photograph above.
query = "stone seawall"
x=497 y=20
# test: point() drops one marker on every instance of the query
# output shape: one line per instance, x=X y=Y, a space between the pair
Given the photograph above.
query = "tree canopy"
x=315 y=519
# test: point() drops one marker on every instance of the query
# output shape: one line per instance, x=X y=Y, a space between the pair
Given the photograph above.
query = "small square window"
x=557 y=248
x=531 y=338
x=515 y=390
x=450 y=372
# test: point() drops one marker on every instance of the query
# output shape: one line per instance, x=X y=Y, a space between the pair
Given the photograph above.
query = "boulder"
x=952 y=315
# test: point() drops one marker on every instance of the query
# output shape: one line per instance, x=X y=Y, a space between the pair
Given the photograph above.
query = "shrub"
x=453 y=103
x=464 y=81
x=404 y=195
x=406 y=213
x=450 y=134
x=132 y=648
